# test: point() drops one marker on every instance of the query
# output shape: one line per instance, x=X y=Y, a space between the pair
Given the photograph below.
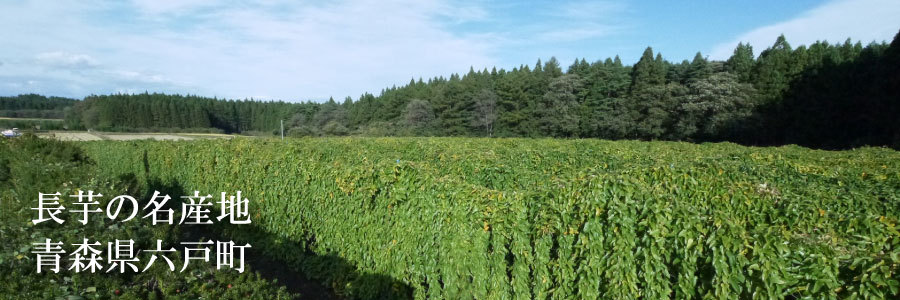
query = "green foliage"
x=29 y=165
x=485 y=111
x=842 y=97
x=775 y=70
x=33 y=124
x=123 y=112
x=34 y=106
x=741 y=62
x=418 y=115
x=460 y=218
x=559 y=107
x=714 y=107
x=647 y=72
x=699 y=68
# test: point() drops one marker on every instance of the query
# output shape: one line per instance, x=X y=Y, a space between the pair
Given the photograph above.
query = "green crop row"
x=458 y=218
x=30 y=165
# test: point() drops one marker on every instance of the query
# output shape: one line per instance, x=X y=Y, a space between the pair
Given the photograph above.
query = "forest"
x=35 y=106
x=823 y=95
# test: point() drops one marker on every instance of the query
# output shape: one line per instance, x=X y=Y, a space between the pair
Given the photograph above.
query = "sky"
x=312 y=50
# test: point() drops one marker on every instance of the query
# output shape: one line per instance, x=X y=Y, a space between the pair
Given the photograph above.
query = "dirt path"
x=31 y=119
x=72 y=136
x=96 y=136
x=158 y=137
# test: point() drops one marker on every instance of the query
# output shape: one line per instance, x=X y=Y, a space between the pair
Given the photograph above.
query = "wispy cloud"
x=579 y=20
x=577 y=34
x=134 y=76
x=61 y=59
x=588 y=10
x=155 y=7
x=865 y=20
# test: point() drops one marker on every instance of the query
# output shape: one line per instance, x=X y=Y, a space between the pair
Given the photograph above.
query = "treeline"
x=34 y=106
x=37 y=124
x=822 y=95
x=160 y=112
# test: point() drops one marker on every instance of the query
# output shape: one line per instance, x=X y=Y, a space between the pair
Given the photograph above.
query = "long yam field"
x=466 y=218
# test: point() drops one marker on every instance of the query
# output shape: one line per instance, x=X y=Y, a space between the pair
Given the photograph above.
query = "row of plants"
x=30 y=165
x=461 y=218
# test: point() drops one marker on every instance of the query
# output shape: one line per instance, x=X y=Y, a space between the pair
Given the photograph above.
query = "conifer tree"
x=741 y=62
x=699 y=68
x=645 y=72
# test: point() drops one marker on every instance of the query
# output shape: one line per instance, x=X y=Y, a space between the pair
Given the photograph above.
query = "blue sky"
x=306 y=50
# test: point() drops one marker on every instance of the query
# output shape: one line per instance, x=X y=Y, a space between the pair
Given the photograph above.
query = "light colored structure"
x=11 y=133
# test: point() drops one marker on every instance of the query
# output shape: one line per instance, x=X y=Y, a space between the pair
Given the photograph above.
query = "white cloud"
x=280 y=48
x=134 y=76
x=286 y=49
x=61 y=59
x=864 y=20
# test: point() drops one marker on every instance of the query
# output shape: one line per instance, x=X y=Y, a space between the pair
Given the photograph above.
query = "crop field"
x=30 y=165
x=457 y=218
